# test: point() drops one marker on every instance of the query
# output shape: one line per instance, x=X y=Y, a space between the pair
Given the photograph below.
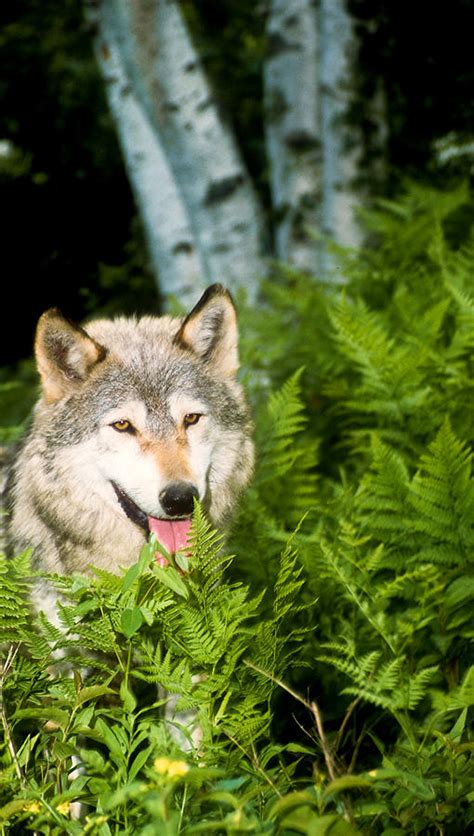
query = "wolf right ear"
x=210 y=331
x=65 y=354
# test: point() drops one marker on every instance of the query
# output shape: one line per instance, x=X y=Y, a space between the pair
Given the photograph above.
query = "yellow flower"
x=161 y=765
x=94 y=822
x=32 y=807
x=177 y=769
x=64 y=808
x=169 y=768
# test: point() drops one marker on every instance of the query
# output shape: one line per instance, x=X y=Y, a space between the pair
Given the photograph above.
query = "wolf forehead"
x=165 y=363
x=163 y=385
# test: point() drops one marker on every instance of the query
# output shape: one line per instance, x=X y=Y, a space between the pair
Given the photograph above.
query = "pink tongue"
x=172 y=534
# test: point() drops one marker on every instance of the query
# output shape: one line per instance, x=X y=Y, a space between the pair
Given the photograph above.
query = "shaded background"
x=71 y=236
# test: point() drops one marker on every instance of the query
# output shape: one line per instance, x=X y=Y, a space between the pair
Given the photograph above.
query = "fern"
x=442 y=495
x=286 y=464
x=389 y=685
x=16 y=587
x=383 y=490
x=331 y=656
x=285 y=488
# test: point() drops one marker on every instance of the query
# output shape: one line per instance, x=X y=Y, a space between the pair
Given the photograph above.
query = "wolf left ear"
x=65 y=354
x=210 y=331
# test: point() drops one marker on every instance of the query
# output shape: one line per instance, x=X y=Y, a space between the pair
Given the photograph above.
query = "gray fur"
x=60 y=502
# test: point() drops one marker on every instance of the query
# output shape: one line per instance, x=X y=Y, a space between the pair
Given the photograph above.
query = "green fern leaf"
x=442 y=495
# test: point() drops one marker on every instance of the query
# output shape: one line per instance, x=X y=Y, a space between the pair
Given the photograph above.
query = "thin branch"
x=313 y=708
x=4 y=671
x=254 y=760
x=310 y=706
x=355 y=753
x=345 y=721
x=328 y=757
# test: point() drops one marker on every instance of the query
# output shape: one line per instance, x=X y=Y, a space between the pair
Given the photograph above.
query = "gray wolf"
x=137 y=417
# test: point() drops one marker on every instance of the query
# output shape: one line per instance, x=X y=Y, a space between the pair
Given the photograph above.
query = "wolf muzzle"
x=177 y=499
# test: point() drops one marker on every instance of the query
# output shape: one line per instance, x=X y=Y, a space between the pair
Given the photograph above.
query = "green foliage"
x=18 y=393
x=328 y=665
x=134 y=640
x=388 y=553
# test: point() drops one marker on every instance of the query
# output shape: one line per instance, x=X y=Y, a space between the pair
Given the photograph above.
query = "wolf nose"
x=177 y=499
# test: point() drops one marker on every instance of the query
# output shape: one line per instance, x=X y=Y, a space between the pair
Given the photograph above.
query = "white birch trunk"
x=167 y=78
x=174 y=257
x=340 y=166
x=293 y=135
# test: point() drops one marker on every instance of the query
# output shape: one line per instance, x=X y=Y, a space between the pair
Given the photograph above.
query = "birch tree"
x=307 y=78
x=200 y=209
x=339 y=194
x=203 y=164
x=175 y=259
x=293 y=132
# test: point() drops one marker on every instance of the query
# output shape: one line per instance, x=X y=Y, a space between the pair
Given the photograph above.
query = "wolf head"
x=137 y=418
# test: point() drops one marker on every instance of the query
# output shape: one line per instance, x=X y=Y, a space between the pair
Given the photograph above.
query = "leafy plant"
x=320 y=681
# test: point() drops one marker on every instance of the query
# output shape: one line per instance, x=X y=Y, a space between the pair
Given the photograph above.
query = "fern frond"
x=286 y=411
x=416 y=687
x=285 y=476
x=193 y=636
x=442 y=494
x=245 y=723
x=381 y=498
x=284 y=420
x=363 y=340
x=288 y=584
x=208 y=562
x=16 y=584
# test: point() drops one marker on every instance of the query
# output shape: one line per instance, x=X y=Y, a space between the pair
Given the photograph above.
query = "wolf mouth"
x=133 y=512
x=172 y=534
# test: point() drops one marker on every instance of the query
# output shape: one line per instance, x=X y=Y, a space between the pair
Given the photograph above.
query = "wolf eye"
x=123 y=426
x=191 y=418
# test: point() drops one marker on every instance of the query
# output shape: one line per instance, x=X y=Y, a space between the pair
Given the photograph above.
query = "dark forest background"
x=71 y=236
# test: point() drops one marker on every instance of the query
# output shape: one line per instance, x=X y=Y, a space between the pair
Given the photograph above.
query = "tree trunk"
x=340 y=145
x=174 y=258
x=201 y=214
x=293 y=134
x=168 y=81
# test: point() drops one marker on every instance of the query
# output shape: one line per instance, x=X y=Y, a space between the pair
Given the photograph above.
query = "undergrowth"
x=326 y=670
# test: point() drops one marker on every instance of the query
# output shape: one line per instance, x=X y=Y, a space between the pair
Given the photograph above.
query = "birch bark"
x=293 y=135
x=201 y=214
x=169 y=82
x=341 y=151
x=175 y=260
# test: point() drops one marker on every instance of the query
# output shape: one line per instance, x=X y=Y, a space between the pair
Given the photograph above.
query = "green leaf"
x=130 y=577
x=309 y=823
x=298 y=798
x=106 y=734
x=128 y=699
x=130 y=621
x=139 y=762
x=182 y=561
x=91 y=692
x=63 y=749
x=170 y=578
x=346 y=782
x=51 y=714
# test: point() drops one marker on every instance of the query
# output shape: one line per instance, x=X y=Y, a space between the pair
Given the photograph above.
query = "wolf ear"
x=210 y=331
x=65 y=354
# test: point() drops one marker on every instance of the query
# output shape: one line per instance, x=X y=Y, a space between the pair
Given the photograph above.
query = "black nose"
x=177 y=499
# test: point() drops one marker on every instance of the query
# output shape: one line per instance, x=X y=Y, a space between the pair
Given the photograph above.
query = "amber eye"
x=191 y=418
x=123 y=426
